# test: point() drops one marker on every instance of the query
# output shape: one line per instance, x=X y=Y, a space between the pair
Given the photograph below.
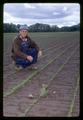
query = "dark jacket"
x=16 y=47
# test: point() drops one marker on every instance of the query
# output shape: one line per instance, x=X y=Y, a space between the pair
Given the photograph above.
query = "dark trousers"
x=24 y=63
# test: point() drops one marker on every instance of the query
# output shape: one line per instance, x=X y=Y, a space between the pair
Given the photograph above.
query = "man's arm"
x=34 y=45
x=17 y=51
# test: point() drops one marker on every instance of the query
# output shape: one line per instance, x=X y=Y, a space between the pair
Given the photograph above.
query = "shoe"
x=32 y=67
x=18 y=68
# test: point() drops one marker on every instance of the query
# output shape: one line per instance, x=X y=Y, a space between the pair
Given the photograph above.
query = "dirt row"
x=11 y=67
x=62 y=98
x=58 y=103
x=17 y=77
x=16 y=104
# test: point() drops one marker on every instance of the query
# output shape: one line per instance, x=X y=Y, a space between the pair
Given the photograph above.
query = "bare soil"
x=61 y=90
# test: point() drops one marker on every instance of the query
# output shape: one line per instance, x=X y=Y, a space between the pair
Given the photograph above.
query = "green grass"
x=74 y=97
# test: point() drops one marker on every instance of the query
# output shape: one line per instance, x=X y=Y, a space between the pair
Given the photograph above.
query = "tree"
x=39 y=27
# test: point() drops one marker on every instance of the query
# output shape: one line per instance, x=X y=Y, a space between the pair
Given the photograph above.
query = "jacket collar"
x=23 y=39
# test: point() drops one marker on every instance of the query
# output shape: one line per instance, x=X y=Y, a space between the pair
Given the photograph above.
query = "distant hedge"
x=39 y=27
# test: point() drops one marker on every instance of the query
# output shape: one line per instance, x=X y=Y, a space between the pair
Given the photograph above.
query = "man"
x=25 y=52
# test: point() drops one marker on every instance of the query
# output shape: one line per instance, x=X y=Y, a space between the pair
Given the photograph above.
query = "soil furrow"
x=23 y=74
x=59 y=96
x=25 y=95
x=34 y=72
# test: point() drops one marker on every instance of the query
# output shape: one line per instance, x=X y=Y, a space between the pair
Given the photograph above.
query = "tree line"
x=39 y=27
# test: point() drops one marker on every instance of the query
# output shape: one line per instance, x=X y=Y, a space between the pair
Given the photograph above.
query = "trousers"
x=29 y=51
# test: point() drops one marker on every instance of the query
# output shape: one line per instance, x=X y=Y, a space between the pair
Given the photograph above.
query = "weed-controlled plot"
x=53 y=89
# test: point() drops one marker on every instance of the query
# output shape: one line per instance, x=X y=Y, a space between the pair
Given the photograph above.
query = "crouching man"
x=25 y=52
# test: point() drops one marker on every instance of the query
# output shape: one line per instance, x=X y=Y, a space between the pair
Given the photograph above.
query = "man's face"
x=23 y=33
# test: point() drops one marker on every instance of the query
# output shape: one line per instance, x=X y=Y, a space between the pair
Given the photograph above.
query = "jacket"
x=16 y=47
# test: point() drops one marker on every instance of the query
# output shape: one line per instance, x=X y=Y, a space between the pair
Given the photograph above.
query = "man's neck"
x=23 y=38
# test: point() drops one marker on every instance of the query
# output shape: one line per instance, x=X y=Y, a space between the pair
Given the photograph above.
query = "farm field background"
x=58 y=69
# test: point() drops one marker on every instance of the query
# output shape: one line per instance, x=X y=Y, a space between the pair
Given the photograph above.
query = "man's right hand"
x=30 y=58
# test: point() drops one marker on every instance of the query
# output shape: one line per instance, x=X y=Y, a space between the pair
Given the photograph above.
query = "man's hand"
x=40 y=53
x=30 y=58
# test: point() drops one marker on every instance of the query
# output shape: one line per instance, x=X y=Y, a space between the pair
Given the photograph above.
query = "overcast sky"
x=61 y=14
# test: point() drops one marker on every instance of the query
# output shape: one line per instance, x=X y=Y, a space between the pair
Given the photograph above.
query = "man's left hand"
x=40 y=53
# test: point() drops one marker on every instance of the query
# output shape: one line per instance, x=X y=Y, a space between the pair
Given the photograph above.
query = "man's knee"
x=34 y=50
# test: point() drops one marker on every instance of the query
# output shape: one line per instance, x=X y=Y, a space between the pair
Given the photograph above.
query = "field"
x=54 y=86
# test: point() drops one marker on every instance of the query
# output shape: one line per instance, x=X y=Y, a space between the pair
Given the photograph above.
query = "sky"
x=60 y=14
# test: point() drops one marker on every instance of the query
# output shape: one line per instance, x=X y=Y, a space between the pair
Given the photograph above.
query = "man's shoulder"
x=28 y=38
x=16 y=38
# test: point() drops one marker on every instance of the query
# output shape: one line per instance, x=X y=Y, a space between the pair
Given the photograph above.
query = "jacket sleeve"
x=17 y=51
x=33 y=44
